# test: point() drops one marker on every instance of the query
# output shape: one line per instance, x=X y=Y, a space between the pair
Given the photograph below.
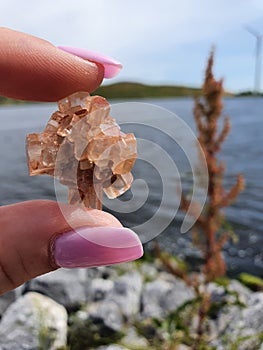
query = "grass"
x=136 y=90
x=126 y=90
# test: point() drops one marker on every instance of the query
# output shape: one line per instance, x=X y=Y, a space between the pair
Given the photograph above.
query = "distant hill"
x=126 y=90
x=11 y=101
x=136 y=90
x=249 y=93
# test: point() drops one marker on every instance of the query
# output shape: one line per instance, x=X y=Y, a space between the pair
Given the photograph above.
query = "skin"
x=33 y=69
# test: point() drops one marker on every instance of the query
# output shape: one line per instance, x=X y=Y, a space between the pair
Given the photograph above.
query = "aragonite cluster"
x=84 y=148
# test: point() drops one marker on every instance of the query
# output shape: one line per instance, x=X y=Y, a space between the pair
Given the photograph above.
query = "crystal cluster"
x=84 y=148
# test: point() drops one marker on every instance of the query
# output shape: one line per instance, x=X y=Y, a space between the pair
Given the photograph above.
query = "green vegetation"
x=249 y=93
x=86 y=334
x=11 y=101
x=126 y=90
x=252 y=282
x=136 y=90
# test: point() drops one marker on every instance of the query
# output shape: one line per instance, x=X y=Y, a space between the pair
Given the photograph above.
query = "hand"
x=35 y=237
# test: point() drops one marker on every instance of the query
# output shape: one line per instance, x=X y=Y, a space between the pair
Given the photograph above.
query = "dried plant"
x=208 y=232
x=209 y=228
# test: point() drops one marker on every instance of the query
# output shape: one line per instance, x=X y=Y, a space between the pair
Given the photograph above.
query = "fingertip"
x=34 y=69
x=111 y=66
x=26 y=243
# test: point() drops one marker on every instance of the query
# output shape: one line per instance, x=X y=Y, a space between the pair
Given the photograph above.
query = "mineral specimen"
x=82 y=146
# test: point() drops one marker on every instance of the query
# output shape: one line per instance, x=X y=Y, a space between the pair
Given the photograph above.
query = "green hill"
x=126 y=90
x=136 y=90
x=11 y=101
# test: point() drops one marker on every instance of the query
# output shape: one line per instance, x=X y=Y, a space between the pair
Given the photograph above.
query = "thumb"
x=36 y=238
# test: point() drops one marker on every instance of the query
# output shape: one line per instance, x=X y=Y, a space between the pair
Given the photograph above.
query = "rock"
x=112 y=347
x=15 y=346
x=149 y=271
x=107 y=314
x=241 y=326
x=33 y=321
x=104 y=272
x=101 y=324
x=100 y=289
x=126 y=293
x=5 y=300
x=236 y=286
x=66 y=286
x=134 y=341
x=182 y=347
x=233 y=293
x=161 y=297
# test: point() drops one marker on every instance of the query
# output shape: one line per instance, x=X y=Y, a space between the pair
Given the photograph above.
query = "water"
x=242 y=153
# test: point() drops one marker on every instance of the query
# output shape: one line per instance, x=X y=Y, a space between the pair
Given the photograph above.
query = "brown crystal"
x=121 y=184
x=83 y=147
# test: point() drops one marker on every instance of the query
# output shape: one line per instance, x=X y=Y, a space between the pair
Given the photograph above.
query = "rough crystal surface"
x=84 y=148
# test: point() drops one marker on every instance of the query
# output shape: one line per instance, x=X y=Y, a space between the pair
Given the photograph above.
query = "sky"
x=157 y=41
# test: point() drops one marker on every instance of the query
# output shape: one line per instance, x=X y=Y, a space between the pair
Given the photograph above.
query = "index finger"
x=34 y=69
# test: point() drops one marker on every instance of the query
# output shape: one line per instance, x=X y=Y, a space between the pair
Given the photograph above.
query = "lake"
x=165 y=159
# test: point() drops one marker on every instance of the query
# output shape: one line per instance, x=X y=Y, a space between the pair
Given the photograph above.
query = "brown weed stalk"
x=210 y=235
x=208 y=231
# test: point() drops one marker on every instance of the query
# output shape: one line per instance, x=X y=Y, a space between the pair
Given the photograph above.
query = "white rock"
x=149 y=271
x=5 y=300
x=126 y=293
x=100 y=289
x=182 y=347
x=107 y=314
x=134 y=341
x=58 y=286
x=161 y=297
x=235 y=323
x=34 y=321
x=112 y=347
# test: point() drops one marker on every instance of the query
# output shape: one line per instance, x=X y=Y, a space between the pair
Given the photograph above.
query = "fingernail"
x=111 y=66
x=96 y=246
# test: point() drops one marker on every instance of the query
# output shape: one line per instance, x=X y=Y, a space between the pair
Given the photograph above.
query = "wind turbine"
x=259 y=38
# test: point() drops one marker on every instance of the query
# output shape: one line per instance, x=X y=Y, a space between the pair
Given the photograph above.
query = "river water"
x=242 y=153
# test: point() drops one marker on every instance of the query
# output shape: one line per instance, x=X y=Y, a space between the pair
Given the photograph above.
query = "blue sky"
x=158 y=42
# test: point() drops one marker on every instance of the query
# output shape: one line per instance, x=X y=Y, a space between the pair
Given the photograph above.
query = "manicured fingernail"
x=96 y=246
x=111 y=66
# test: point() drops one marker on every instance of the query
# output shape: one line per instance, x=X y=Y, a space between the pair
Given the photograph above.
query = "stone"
x=34 y=321
x=107 y=314
x=83 y=147
x=103 y=272
x=101 y=323
x=126 y=293
x=161 y=297
x=148 y=271
x=242 y=292
x=241 y=325
x=58 y=286
x=134 y=341
x=5 y=300
x=100 y=289
x=17 y=346
x=237 y=292
x=112 y=347
x=182 y=347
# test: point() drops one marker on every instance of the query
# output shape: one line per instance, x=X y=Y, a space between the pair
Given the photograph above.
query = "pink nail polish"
x=96 y=246
x=111 y=66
